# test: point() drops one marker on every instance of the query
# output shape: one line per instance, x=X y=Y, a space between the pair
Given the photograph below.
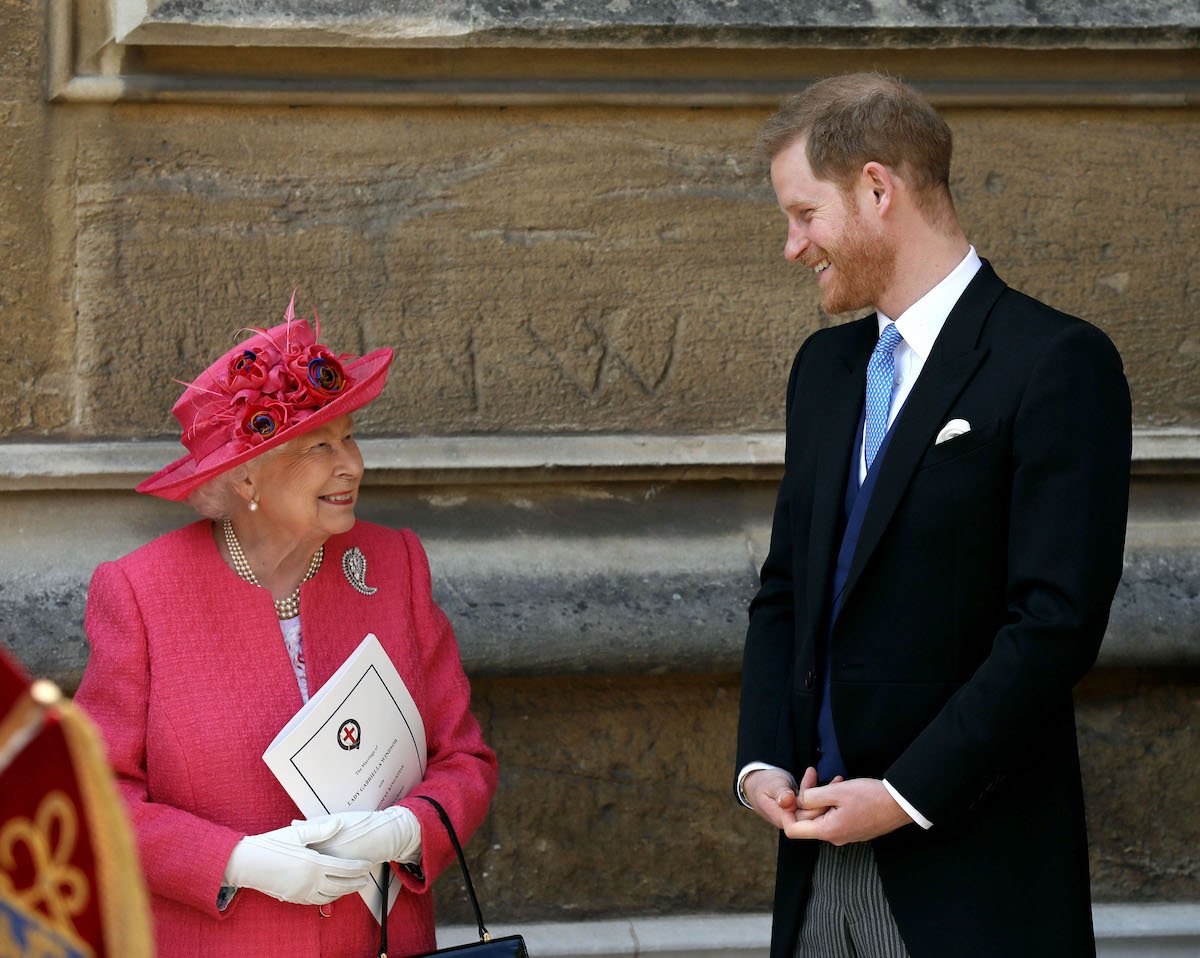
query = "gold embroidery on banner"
x=59 y=890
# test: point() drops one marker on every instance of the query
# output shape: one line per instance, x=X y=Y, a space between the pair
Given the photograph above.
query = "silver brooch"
x=354 y=564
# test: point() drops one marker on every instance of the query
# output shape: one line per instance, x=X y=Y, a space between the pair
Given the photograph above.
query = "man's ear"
x=879 y=187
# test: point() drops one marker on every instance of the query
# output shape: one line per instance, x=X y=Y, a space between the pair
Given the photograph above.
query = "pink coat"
x=189 y=681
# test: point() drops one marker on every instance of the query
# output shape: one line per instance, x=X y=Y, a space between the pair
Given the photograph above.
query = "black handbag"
x=511 y=946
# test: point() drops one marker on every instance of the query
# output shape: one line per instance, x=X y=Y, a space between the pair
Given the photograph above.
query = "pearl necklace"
x=286 y=608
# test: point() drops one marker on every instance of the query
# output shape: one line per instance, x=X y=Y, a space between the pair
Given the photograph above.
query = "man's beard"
x=864 y=265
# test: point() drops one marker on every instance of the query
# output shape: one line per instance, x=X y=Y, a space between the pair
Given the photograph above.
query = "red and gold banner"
x=70 y=883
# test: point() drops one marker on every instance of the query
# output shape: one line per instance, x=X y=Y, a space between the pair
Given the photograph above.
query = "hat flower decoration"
x=274 y=387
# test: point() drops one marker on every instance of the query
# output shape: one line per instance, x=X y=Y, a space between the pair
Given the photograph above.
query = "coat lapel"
x=838 y=415
x=952 y=362
x=332 y=612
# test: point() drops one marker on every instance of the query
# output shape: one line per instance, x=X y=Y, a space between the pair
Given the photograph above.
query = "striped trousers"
x=848 y=915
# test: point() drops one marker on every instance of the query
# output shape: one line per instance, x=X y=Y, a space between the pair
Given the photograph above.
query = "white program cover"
x=357 y=744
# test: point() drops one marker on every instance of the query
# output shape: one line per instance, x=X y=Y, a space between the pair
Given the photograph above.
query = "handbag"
x=510 y=946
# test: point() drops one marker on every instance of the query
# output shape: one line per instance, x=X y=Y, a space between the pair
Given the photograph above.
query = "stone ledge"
x=675 y=53
x=504 y=459
x=421 y=460
x=656 y=23
x=594 y=578
x=553 y=555
x=1122 y=931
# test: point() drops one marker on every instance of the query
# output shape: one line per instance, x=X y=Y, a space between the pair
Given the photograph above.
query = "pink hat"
x=275 y=386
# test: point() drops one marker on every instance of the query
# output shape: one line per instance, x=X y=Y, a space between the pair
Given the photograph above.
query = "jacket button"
x=810 y=679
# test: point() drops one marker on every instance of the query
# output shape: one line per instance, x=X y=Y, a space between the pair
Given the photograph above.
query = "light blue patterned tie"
x=880 y=383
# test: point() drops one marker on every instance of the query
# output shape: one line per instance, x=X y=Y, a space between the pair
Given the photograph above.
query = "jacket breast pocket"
x=968 y=442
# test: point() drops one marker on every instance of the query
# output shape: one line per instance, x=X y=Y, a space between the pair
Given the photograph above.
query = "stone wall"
x=615 y=795
x=538 y=270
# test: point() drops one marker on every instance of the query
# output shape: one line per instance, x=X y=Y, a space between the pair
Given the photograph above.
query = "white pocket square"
x=955 y=427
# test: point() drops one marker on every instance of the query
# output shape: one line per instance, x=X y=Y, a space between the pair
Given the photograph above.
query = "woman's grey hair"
x=217 y=499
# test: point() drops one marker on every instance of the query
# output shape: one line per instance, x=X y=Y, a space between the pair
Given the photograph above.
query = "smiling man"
x=946 y=544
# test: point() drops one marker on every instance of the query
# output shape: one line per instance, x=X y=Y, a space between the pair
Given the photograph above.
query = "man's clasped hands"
x=844 y=811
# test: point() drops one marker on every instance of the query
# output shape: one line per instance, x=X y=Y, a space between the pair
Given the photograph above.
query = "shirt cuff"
x=909 y=810
x=755 y=767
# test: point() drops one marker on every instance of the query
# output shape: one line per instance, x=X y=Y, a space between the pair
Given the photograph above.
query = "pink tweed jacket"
x=189 y=681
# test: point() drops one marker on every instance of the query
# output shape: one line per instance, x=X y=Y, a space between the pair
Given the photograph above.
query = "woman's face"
x=307 y=490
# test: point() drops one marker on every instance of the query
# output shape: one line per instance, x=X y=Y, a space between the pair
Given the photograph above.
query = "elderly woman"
x=206 y=641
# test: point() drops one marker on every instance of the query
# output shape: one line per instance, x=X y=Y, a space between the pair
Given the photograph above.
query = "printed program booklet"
x=358 y=744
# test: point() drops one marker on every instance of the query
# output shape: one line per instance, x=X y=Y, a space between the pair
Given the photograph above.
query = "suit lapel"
x=837 y=415
x=952 y=362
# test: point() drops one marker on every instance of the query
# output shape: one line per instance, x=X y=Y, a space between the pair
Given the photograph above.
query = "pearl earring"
x=253 y=507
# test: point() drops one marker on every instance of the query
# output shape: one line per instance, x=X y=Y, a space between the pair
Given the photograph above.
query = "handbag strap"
x=383 y=910
x=462 y=862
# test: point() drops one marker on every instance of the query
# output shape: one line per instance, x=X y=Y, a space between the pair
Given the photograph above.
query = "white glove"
x=390 y=835
x=278 y=864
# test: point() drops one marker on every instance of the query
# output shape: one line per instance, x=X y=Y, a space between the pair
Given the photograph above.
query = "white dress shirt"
x=919 y=326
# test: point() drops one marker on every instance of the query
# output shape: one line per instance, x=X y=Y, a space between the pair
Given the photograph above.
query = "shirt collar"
x=924 y=319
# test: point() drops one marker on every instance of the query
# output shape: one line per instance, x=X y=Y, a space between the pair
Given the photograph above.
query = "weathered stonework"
x=668 y=22
x=633 y=578
x=616 y=798
x=544 y=271
x=1139 y=733
x=35 y=394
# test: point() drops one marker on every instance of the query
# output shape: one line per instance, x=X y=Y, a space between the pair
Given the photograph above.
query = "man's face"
x=854 y=260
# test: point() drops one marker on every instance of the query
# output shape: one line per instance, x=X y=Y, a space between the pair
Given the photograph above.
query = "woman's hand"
x=390 y=835
x=280 y=864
